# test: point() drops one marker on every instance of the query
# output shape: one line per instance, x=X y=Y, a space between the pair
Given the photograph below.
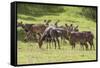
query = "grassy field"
x=29 y=52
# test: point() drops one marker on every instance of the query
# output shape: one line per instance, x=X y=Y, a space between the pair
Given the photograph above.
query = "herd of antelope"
x=52 y=34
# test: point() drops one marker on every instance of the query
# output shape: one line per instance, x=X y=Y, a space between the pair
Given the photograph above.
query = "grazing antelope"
x=26 y=28
x=50 y=34
x=89 y=38
x=39 y=28
x=34 y=28
x=83 y=38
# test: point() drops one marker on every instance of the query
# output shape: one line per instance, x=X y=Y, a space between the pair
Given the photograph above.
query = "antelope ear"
x=49 y=21
x=77 y=26
x=71 y=24
x=45 y=20
x=21 y=22
x=58 y=21
x=66 y=24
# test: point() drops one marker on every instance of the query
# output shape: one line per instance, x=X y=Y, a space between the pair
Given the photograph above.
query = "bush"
x=89 y=12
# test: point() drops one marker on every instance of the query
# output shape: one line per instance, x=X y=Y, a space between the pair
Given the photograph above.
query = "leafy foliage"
x=89 y=12
x=39 y=10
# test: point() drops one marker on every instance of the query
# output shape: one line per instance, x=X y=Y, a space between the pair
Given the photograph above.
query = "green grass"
x=29 y=52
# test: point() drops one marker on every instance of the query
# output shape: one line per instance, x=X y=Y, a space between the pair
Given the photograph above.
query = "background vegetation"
x=29 y=53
